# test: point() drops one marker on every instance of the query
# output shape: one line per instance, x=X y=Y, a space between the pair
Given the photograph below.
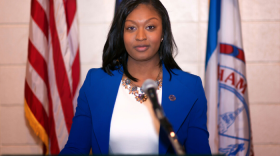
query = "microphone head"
x=149 y=83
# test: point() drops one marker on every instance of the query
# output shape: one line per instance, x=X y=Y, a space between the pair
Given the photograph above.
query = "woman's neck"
x=143 y=70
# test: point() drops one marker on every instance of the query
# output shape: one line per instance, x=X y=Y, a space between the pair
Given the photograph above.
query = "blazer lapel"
x=102 y=97
x=175 y=110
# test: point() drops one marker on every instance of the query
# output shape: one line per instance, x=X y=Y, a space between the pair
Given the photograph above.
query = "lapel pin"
x=172 y=97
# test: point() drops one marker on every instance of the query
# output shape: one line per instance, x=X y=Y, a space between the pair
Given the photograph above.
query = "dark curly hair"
x=114 y=52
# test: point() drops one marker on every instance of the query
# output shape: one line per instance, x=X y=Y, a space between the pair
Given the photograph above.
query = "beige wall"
x=261 y=38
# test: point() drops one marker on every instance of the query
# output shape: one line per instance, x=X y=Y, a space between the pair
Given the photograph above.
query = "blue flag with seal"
x=225 y=82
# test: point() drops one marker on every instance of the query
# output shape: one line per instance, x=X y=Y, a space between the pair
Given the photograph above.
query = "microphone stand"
x=179 y=149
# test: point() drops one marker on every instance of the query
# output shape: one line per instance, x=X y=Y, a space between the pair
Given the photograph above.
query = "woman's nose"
x=141 y=35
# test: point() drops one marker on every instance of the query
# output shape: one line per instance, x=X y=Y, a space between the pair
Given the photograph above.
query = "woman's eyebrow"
x=144 y=22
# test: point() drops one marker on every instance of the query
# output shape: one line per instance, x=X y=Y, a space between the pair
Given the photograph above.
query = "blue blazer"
x=187 y=114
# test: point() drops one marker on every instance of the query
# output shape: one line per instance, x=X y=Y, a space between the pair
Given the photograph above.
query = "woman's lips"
x=142 y=48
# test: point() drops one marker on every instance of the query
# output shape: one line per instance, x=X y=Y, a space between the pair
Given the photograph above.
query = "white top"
x=132 y=129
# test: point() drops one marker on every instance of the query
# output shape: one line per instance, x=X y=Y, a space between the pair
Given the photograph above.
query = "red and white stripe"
x=53 y=69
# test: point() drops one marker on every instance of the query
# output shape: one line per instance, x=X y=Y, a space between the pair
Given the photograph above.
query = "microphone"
x=150 y=87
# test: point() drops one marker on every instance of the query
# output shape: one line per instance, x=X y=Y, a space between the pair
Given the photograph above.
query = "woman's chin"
x=145 y=59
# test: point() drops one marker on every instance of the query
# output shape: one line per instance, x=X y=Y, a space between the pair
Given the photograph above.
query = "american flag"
x=52 y=71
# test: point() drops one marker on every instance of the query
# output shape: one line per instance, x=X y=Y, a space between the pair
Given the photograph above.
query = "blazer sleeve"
x=79 y=141
x=197 y=135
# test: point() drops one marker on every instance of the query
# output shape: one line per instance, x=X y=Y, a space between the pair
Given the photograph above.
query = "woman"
x=113 y=115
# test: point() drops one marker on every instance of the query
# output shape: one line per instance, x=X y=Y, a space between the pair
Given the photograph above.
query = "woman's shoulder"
x=192 y=81
x=96 y=71
x=185 y=76
x=94 y=74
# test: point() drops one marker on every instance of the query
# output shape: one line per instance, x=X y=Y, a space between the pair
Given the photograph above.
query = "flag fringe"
x=36 y=126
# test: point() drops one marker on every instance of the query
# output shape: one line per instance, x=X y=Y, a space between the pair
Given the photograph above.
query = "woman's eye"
x=130 y=28
x=150 y=27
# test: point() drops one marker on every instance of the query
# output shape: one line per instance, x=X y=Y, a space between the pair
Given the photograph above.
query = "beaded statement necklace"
x=137 y=91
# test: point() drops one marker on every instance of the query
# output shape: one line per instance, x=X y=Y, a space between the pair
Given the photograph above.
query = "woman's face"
x=143 y=33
